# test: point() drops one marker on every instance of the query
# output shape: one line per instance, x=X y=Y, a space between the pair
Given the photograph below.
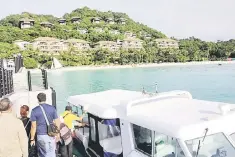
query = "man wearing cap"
x=68 y=117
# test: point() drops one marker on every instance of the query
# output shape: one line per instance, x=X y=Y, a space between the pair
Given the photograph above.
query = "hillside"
x=96 y=27
x=10 y=31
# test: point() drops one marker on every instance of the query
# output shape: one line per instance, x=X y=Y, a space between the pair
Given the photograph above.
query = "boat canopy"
x=174 y=113
x=182 y=118
x=112 y=104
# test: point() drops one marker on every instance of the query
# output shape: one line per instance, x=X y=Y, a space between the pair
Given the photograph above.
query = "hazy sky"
x=206 y=19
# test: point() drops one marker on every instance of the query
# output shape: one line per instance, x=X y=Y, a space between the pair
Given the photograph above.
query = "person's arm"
x=23 y=140
x=75 y=117
x=78 y=118
x=56 y=119
x=33 y=120
x=33 y=130
x=57 y=123
x=82 y=124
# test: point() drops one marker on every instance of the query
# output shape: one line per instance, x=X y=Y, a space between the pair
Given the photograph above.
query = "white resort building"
x=23 y=45
x=62 y=21
x=77 y=44
x=26 y=23
x=132 y=43
x=167 y=43
x=49 y=45
x=110 y=45
x=46 y=25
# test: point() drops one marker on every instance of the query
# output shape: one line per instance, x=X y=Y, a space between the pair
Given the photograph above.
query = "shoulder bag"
x=52 y=129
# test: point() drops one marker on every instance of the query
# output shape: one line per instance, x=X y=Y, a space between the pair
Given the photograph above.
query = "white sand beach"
x=97 y=67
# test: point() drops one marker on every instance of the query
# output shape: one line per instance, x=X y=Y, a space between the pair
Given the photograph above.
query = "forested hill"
x=10 y=31
x=190 y=49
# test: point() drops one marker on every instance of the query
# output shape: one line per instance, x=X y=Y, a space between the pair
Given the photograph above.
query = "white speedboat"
x=172 y=124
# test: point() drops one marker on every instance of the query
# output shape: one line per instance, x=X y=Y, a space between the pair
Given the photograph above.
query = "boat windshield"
x=216 y=145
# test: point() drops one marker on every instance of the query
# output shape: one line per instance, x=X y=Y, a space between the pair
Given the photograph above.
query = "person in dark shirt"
x=24 y=111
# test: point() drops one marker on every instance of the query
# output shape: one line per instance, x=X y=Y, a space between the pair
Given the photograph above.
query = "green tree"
x=30 y=63
x=190 y=49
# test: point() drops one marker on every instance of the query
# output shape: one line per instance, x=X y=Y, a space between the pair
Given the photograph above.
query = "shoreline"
x=147 y=65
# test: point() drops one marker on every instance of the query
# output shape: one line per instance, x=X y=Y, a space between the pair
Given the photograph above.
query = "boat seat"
x=165 y=150
x=112 y=145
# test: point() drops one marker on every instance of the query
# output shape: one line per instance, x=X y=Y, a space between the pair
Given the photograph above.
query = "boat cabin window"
x=108 y=129
x=166 y=146
x=163 y=145
x=143 y=141
x=77 y=110
x=110 y=136
x=212 y=146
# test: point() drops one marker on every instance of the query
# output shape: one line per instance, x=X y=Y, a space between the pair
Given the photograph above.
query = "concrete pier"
x=28 y=98
x=21 y=82
x=22 y=96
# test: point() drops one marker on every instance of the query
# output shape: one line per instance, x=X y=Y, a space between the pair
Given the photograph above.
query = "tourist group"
x=43 y=134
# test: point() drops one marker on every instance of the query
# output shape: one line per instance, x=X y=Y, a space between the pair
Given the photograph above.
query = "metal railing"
x=44 y=78
x=6 y=79
x=45 y=85
x=19 y=62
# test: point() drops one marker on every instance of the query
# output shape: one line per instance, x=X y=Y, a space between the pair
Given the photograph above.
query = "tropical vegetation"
x=191 y=49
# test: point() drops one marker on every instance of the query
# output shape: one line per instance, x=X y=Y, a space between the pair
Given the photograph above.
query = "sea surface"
x=208 y=82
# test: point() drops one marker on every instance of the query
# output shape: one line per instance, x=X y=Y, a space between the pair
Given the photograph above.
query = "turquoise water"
x=209 y=82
